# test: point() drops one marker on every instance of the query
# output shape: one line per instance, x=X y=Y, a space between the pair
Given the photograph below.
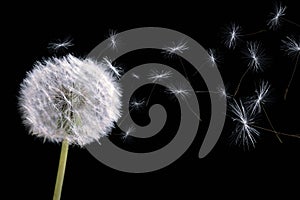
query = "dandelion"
x=276 y=16
x=232 y=34
x=69 y=100
x=244 y=134
x=176 y=48
x=60 y=44
x=292 y=48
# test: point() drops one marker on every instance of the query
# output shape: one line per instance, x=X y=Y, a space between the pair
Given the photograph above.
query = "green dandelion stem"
x=61 y=170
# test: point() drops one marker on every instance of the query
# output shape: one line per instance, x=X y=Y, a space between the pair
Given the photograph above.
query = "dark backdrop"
x=271 y=167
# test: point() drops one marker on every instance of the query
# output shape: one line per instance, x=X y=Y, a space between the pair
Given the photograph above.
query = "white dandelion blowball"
x=71 y=99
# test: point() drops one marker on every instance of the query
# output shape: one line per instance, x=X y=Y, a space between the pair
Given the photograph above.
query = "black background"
x=272 y=167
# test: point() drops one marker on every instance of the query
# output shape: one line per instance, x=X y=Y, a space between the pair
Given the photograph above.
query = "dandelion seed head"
x=176 y=48
x=156 y=75
x=291 y=46
x=274 y=21
x=69 y=99
x=244 y=134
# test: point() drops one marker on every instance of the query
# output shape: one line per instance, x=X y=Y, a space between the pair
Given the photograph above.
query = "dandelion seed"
x=274 y=22
x=113 y=41
x=181 y=91
x=222 y=92
x=257 y=59
x=69 y=99
x=232 y=35
x=107 y=62
x=256 y=56
x=261 y=97
x=291 y=46
x=212 y=57
x=176 y=48
x=56 y=46
x=130 y=130
x=156 y=75
x=137 y=104
x=135 y=76
x=244 y=134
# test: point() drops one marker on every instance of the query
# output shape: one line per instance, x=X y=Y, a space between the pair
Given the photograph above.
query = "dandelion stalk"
x=270 y=123
x=291 y=22
x=291 y=79
x=272 y=131
x=240 y=82
x=254 y=33
x=61 y=170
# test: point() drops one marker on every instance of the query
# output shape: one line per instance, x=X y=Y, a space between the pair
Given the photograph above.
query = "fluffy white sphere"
x=70 y=98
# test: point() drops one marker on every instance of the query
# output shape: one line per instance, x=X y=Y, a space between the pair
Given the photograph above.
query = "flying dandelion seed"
x=130 y=130
x=232 y=34
x=256 y=104
x=137 y=104
x=257 y=59
x=276 y=16
x=178 y=91
x=156 y=75
x=256 y=55
x=113 y=40
x=222 y=92
x=135 y=76
x=261 y=97
x=212 y=57
x=60 y=44
x=244 y=134
x=292 y=48
x=107 y=62
x=176 y=48
x=183 y=93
